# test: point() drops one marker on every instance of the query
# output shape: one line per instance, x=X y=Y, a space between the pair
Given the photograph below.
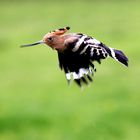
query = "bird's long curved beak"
x=33 y=44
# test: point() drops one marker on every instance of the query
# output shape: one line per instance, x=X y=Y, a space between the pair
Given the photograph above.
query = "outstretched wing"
x=81 y=51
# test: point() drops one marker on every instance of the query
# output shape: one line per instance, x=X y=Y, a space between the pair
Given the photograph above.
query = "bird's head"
x=52 y=39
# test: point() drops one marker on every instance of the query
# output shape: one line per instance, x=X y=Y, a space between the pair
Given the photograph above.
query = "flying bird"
x=77 y=52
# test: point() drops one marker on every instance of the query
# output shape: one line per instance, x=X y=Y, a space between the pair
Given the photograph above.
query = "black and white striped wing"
x=96 y=50
x=76 y=61
x=85 y=45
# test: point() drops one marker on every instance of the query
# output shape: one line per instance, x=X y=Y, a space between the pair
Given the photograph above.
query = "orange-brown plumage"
x=58 y=40
x=54 y=41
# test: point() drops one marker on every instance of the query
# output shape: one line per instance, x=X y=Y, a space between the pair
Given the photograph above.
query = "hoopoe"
x=77 y=52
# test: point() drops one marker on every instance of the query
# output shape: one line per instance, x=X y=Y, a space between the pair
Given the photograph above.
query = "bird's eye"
x=50 y=38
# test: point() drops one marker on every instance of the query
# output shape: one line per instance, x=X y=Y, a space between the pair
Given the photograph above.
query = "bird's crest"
x=60 y=31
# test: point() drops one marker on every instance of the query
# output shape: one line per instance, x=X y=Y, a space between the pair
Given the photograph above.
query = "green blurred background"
x=35 y=101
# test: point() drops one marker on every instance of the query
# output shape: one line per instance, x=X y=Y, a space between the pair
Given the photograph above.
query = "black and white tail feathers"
x=118 y=55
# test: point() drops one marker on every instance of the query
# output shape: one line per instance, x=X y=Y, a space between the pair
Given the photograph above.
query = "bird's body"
x=77 y=52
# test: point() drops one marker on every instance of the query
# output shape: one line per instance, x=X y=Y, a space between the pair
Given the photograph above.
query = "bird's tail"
x=118 y=55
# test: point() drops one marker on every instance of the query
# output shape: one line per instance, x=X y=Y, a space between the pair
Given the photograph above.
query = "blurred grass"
x=35 y=101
